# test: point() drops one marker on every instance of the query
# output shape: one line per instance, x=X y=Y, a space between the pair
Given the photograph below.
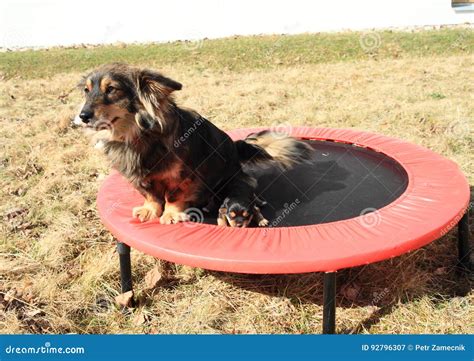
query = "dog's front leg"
x=222 y=219
x=174 y=213
x=259 y=218
x=152 y=208
x=154 y=200
x=175 y=205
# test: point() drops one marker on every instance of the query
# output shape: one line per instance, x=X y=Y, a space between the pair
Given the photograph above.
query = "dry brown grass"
x=58 y=267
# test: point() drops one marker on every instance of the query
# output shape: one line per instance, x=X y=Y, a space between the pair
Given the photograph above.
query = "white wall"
x=55 y=22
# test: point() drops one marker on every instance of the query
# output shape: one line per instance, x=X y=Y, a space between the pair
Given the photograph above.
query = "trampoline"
x=363 y=198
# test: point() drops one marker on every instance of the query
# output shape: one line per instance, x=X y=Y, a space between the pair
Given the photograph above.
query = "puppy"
x=240 y=208
x=173 y=156
x=233 y=213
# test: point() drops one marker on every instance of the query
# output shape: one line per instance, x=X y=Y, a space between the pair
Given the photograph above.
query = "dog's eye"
x=109 y=89
x=86 y=90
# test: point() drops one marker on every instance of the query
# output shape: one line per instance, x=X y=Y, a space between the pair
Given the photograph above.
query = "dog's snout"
x=86 y=115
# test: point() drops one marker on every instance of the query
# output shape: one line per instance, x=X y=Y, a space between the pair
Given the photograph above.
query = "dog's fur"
x=172 y=155
x=240 y=207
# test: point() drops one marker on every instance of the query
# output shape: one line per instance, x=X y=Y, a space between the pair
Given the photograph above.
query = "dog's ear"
x=153 y=90
x=155 y=85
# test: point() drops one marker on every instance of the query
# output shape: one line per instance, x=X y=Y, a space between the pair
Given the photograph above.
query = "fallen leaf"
x=139 y=319
x=125 y=299
x=153 y=278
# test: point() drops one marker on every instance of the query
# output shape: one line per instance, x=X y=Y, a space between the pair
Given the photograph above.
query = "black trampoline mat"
x=343 y=181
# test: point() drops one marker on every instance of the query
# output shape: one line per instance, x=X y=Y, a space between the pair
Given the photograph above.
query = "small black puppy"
x=241 y=206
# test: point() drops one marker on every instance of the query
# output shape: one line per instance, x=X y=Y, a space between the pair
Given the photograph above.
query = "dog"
x=172 y=155
x=241 y=205
x=235 y=214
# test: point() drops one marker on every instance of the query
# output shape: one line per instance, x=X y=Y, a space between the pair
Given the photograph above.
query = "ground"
x=58 y=265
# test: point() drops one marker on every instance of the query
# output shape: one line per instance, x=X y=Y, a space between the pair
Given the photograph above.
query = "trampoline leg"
x=125 y=266
x=329 y=303
x=464 y=248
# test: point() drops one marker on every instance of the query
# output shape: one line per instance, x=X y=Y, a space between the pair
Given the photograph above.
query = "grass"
x=242 y=53
x=58 y=267
x=437 y=95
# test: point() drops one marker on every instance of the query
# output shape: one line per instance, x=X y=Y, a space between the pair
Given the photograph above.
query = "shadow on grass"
x=429 y=271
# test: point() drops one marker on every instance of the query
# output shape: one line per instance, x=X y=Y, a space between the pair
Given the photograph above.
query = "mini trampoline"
x=364 y=198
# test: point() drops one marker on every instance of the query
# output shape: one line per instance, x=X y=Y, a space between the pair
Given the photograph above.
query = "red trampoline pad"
x=434 y=199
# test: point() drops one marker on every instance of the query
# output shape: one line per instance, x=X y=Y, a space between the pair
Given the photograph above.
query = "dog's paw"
x=221 y=222
x=146 y=212
x=263 y=222
x=174 y=217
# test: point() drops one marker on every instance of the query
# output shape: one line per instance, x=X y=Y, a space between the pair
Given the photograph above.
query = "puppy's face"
x=124 y=99
x=237 y=215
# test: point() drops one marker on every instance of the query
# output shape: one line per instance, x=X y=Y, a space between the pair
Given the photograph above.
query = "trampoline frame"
x=366 y=140
x=464 y=266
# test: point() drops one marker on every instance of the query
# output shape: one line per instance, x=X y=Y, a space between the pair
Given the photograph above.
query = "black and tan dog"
x=173 y=156
x=241 y=206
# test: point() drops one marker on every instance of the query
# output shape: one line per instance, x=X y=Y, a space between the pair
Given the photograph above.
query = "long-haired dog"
x=173 y=156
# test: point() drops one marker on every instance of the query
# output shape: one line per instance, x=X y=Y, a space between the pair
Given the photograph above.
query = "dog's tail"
x=272 y=147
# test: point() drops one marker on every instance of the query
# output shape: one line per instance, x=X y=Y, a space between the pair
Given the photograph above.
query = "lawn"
x=58 y=265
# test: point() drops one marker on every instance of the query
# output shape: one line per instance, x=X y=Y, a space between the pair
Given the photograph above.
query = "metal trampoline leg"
x=329 y=303
x=464 y=248
x=125 y=266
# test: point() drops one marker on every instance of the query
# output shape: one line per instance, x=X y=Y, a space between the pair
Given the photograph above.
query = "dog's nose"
x=86 y=115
